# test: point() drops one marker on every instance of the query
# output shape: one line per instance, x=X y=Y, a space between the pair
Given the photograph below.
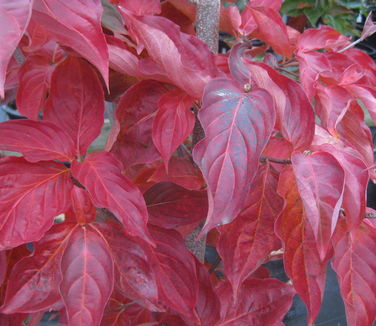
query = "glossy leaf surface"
x=76 y=102
x=101 y=175
x=246 y=242
x=36 y=140
x=88 y=279
x=237 y=127
x=22 y=185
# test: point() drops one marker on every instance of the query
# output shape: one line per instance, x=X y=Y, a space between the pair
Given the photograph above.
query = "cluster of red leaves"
x=119 y=256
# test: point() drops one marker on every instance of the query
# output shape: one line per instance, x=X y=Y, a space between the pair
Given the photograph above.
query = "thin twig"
x=264 y=158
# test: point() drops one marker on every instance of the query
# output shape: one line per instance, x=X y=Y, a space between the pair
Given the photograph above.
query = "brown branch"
x=264 y=158
x=207 y=22
x=207 y=29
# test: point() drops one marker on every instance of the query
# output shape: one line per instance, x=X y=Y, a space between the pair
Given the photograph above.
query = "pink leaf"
x=33 y=284
x=354 y=262
x=77 y=25
x=260 y=302
x=301 y=258
x=36 y=140
x=22 y=185
x=320 y=181
x=88 y=277
x=101 y=174
x=35 y=75
x=135 y=113
x=245 y=243
x=369 y=27
x=14 y=17
x=237 y=127
x=76 y=102
x=171 y=206
x=173 y=123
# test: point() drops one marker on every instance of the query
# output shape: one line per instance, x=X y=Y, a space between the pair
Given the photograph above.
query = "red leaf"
x=245 y=243
x=171 y=206
x=367 y=95
x=14 y=17
x=180 y=171
x=35 y=75
x=141 y=7
x=124 y=61
x=237 y=127
x=82 y=206
x=260 y=302
x=276 y=35
x=77 y=26
x=124 y=312
x=33 y=284
x=331 y=105
x=88 y=277
x=208 y=305
x=76 y=102
x=36 y=140
x=301 y=258
x=356 y=180
x=101 y=175
x=136 y=275
x=310 y=65
x=354 y=262
x=324 y=37
x=188 y=62
x=135 y=113
x=173 y=123
x=355 y=133
x=320 y=181
x=176 y=272
x=12 y=320
x=3 y=266
x=272 y=4
x=295 y=114
x=31 y=196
